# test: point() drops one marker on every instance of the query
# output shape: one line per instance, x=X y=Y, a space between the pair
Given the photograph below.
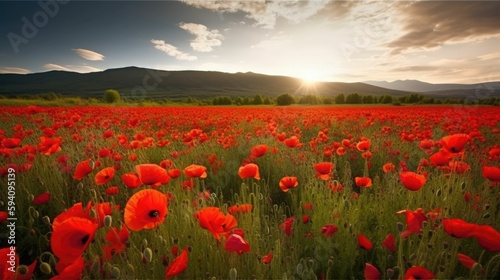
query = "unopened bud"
x=233 y=273
x=108 y=220
x=45 y=268
x=148 y=255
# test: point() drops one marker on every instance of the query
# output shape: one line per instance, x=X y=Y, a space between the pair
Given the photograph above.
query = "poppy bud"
x=486 y=215
x=389 y=273
x=108 y=220
x=95 y=268
x=413 y=256
x=115 y=272
x=299 y=268
x=438 y=193
x=46 y=220
x=148 y=255
x=400 y=226
x=45 y=268
x=233 y=273
x=486 y=206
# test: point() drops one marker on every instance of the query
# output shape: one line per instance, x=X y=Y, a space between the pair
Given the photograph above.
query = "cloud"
x=415 y=68
x=265 y=13
x=71 y=68
x=172 y=50
x=431 y=24
x=51 y=66
x=89 y=55
x=13 y=70
x=205 y=39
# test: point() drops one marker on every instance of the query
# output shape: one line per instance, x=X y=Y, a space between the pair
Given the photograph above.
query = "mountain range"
x=149 y=83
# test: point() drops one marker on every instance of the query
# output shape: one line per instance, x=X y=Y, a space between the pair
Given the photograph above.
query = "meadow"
x=338 y=192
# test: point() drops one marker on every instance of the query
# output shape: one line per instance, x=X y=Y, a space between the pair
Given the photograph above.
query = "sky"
x=318 y=40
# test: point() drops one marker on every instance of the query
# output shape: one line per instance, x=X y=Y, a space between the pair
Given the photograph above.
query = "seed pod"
x=115 y=272
x=108 y=220
x=45 y=268
x=148 y=255
x=233 y=273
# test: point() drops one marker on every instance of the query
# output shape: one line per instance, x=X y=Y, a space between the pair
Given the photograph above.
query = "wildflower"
x=145 y=209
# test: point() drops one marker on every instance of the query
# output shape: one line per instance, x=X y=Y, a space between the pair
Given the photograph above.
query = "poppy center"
x=153 y=213
x=85 y=239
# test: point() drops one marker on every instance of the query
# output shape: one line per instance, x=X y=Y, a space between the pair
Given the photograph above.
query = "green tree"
x=340 y=99
x=285 y=99
x=257 y=100
x=267 y=101
x=111 y=96
x=327 y=100
x=353 y=98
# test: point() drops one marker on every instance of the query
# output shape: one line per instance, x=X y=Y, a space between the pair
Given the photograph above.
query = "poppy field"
x=367 y=192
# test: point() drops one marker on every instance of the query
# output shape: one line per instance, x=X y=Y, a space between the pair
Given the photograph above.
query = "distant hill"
x=471 y=91
x=149 y=83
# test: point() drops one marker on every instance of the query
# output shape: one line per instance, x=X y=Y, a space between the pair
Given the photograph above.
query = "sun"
x=310 y=77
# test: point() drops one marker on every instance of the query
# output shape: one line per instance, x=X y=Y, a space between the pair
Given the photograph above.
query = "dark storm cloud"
x=429 y=24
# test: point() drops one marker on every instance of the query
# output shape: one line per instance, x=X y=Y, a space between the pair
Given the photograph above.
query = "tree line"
x=113 y=96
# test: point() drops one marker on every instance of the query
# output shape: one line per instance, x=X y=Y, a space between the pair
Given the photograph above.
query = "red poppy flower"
x=71 y=237
x=292 y=142
x=441 y=158
x=76 y=210
x=389 y=243
x=466 y=261
x=214 y=220
x=3 y=216
x=418 y=272
x=328 y=230
x=48 y=146
x=412 y=181
x=131 y=180
x=459 y=228
x=487 y=237
x=250 y=170
x=371 y=272
x=364 y=242
x=236 y=243
x=11 y=142
x=259 y=150
x=145 y=209
x=459 y=167
x=104 y=152
x=288 y=182
x=41 y=198
x=104 y=176
x=166 y=163
x=5 y=263
x=363 y=182
x=267 y=258
x=287 y=226
x=414 y=221
x=112 y=190
x=492 y=173
x=455 y=143
x=117 y=240
x=152 y=174
x=174 y=173
x=324 y=170
x=178 y=265
x=363 y=145
x=388 y=167
x=71 y=270
x=82 y=169
x=195 y=171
